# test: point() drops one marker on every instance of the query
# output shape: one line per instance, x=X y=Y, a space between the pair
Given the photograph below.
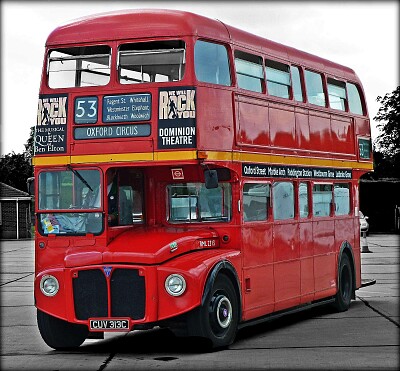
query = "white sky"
x=362 y=35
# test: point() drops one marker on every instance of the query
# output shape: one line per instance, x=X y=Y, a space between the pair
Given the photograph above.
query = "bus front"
x=131 y=225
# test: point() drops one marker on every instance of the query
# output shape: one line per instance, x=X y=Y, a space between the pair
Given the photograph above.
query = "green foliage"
x=15 y=169
x=387 y=144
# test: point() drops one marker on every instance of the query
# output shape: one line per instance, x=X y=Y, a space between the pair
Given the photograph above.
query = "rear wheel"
x=59 y=334
x=345 y=284
x=217 y=319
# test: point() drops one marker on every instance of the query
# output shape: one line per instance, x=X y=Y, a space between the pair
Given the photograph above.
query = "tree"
x=16 y=168
x=387 y=144
x=30 y=143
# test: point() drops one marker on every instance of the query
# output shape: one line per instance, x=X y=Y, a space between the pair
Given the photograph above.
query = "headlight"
x=175 y=284
x=49 y=285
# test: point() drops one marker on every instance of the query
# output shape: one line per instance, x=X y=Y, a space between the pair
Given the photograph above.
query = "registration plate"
x=116 y=324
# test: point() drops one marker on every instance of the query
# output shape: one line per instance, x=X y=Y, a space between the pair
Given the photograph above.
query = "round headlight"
x=49 y=285
x=175 y=284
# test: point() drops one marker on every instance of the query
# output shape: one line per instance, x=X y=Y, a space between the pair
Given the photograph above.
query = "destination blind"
x=298 y=172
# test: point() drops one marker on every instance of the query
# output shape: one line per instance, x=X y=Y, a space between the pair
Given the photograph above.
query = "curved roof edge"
x=144 y=23
x=122 y=24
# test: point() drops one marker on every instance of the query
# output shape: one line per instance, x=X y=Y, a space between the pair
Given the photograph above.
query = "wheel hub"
x=223 y=311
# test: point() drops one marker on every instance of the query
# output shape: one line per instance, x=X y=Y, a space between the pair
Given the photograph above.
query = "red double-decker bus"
x=191 y=175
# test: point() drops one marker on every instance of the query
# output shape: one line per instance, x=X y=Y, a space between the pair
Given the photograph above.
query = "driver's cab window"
x=124 y=196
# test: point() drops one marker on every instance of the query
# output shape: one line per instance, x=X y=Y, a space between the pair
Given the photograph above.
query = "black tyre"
x=217 y=319
x=345 y=284
x=59 y=334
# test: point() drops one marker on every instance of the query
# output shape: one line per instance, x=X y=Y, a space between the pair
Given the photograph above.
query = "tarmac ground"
x=364 y=337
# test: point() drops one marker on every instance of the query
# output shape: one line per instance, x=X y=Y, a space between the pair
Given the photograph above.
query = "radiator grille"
x=127 y=294
x=127 y=291
x=90 y=294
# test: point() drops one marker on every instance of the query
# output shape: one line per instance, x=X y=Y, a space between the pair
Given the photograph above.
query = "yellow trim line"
x=234 y=156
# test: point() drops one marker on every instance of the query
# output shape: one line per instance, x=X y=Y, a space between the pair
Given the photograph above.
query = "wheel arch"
x=347 y=249
x=223 y=267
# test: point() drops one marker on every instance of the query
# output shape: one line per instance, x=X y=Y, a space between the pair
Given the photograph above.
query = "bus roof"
x=149 y=23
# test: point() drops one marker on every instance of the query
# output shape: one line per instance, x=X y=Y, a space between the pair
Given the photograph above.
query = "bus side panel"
x=215 y=113
x=325 y=258
x=282 y=126
x=320 y=131
x=357 y=246
x=342 y=134
x=286 y=265
x=344 y=231
x=302 y=129
x=306 y=261
x=258 y=274
x=253 y=122
x=357 y=252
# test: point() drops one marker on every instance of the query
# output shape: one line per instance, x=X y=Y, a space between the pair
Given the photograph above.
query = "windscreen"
x=70 y=191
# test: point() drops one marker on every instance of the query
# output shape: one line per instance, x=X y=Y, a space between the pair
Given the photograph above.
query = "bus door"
x=257 y=250
x=286 y=246
x=324 y=239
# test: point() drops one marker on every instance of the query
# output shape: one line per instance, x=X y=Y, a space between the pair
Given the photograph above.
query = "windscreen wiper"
x=69 y=167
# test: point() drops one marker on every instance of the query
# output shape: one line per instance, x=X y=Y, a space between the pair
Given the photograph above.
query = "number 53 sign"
x=85 y=110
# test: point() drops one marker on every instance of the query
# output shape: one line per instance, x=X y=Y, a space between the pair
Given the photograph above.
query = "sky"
x=362 y=35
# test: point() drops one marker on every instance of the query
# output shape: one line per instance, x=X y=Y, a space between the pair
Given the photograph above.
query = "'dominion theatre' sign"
x=177 y=118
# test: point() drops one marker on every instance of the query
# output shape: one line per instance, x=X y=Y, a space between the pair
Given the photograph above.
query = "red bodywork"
x=279 y=264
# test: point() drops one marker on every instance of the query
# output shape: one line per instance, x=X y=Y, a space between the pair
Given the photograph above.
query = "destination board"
x=299 y=172
x=112 y=131
x=126 y=108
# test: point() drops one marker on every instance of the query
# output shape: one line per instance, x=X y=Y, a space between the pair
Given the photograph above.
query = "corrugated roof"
x=7 y=191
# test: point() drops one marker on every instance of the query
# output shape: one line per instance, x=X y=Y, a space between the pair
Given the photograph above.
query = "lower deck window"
x=342 y=199
x=256 y=198
x=283 y=200
x=322 y=199
x=193 y=202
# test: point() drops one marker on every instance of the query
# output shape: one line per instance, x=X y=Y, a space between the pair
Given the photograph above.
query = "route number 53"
x=85 y=110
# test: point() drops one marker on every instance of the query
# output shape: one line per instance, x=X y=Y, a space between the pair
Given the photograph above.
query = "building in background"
x=15 y=213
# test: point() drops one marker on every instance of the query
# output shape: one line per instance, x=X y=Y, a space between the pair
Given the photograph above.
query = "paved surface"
x=365 y=337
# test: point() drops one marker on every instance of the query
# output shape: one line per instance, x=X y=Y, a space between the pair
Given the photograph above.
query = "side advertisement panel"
x=51 y=124
x=177 y=118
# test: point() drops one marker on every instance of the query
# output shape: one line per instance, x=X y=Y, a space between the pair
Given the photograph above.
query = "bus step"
x=367 y=282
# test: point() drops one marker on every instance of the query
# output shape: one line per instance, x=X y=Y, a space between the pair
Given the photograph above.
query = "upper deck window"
x=315 y=91
x=337 y=94
x=296 y=83
x=249 y=71
x=278 y=79
x=80 y=66
x=354 y=99
x=157 y=61
x=211 y=63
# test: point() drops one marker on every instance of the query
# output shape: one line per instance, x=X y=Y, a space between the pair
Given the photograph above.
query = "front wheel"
x=345 y=284
x=59 y=334
x=217 y=319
